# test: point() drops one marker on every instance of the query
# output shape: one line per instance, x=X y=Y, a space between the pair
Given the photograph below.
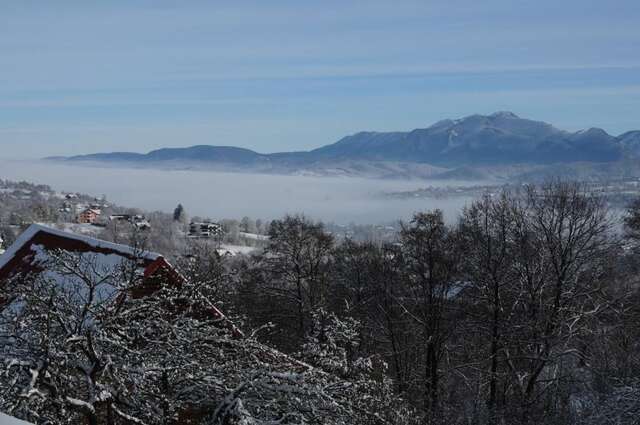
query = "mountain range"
x=472 y=146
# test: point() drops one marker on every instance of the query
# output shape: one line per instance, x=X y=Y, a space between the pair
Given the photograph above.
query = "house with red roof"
x=29 y=256
x=89 y=216
x=27 y=253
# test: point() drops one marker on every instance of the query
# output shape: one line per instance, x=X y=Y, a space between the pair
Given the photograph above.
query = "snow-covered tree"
x=82 y=343
x=332 y=344
x=57 y=366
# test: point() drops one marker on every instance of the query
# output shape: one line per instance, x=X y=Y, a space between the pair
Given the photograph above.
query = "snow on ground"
x=9 y=420
x=235 y=249
x=254 y=236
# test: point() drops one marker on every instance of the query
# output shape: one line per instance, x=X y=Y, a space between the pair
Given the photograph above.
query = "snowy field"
x=230 y=195
x=226 y=249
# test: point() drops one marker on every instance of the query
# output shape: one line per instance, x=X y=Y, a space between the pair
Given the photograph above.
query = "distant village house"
x=138 y=221
x=89 y=216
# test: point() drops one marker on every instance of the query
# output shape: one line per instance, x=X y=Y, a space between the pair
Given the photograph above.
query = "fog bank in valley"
x=234 y=195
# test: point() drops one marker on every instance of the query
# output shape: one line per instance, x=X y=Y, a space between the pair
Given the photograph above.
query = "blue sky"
x=88 y=76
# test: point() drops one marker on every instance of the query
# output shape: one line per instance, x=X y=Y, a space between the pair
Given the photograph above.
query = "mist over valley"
x=234 y=195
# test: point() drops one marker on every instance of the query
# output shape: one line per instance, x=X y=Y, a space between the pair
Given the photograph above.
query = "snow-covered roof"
x=32 y=253
x=10 y=420
x=35 y=229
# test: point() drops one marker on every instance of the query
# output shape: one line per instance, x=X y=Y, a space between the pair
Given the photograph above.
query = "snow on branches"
x=79 y=347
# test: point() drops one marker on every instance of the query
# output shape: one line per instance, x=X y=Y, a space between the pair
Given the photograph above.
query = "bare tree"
x=430 y=253
x=486 y=228
x=561 y=244
x=297 y=265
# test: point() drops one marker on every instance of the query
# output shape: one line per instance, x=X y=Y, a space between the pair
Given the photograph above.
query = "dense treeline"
x=525 y=311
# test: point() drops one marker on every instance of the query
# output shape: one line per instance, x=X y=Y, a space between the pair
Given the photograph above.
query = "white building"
x=205 y=230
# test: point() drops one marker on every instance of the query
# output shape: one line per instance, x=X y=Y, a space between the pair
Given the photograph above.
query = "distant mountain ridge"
x=499 y=139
